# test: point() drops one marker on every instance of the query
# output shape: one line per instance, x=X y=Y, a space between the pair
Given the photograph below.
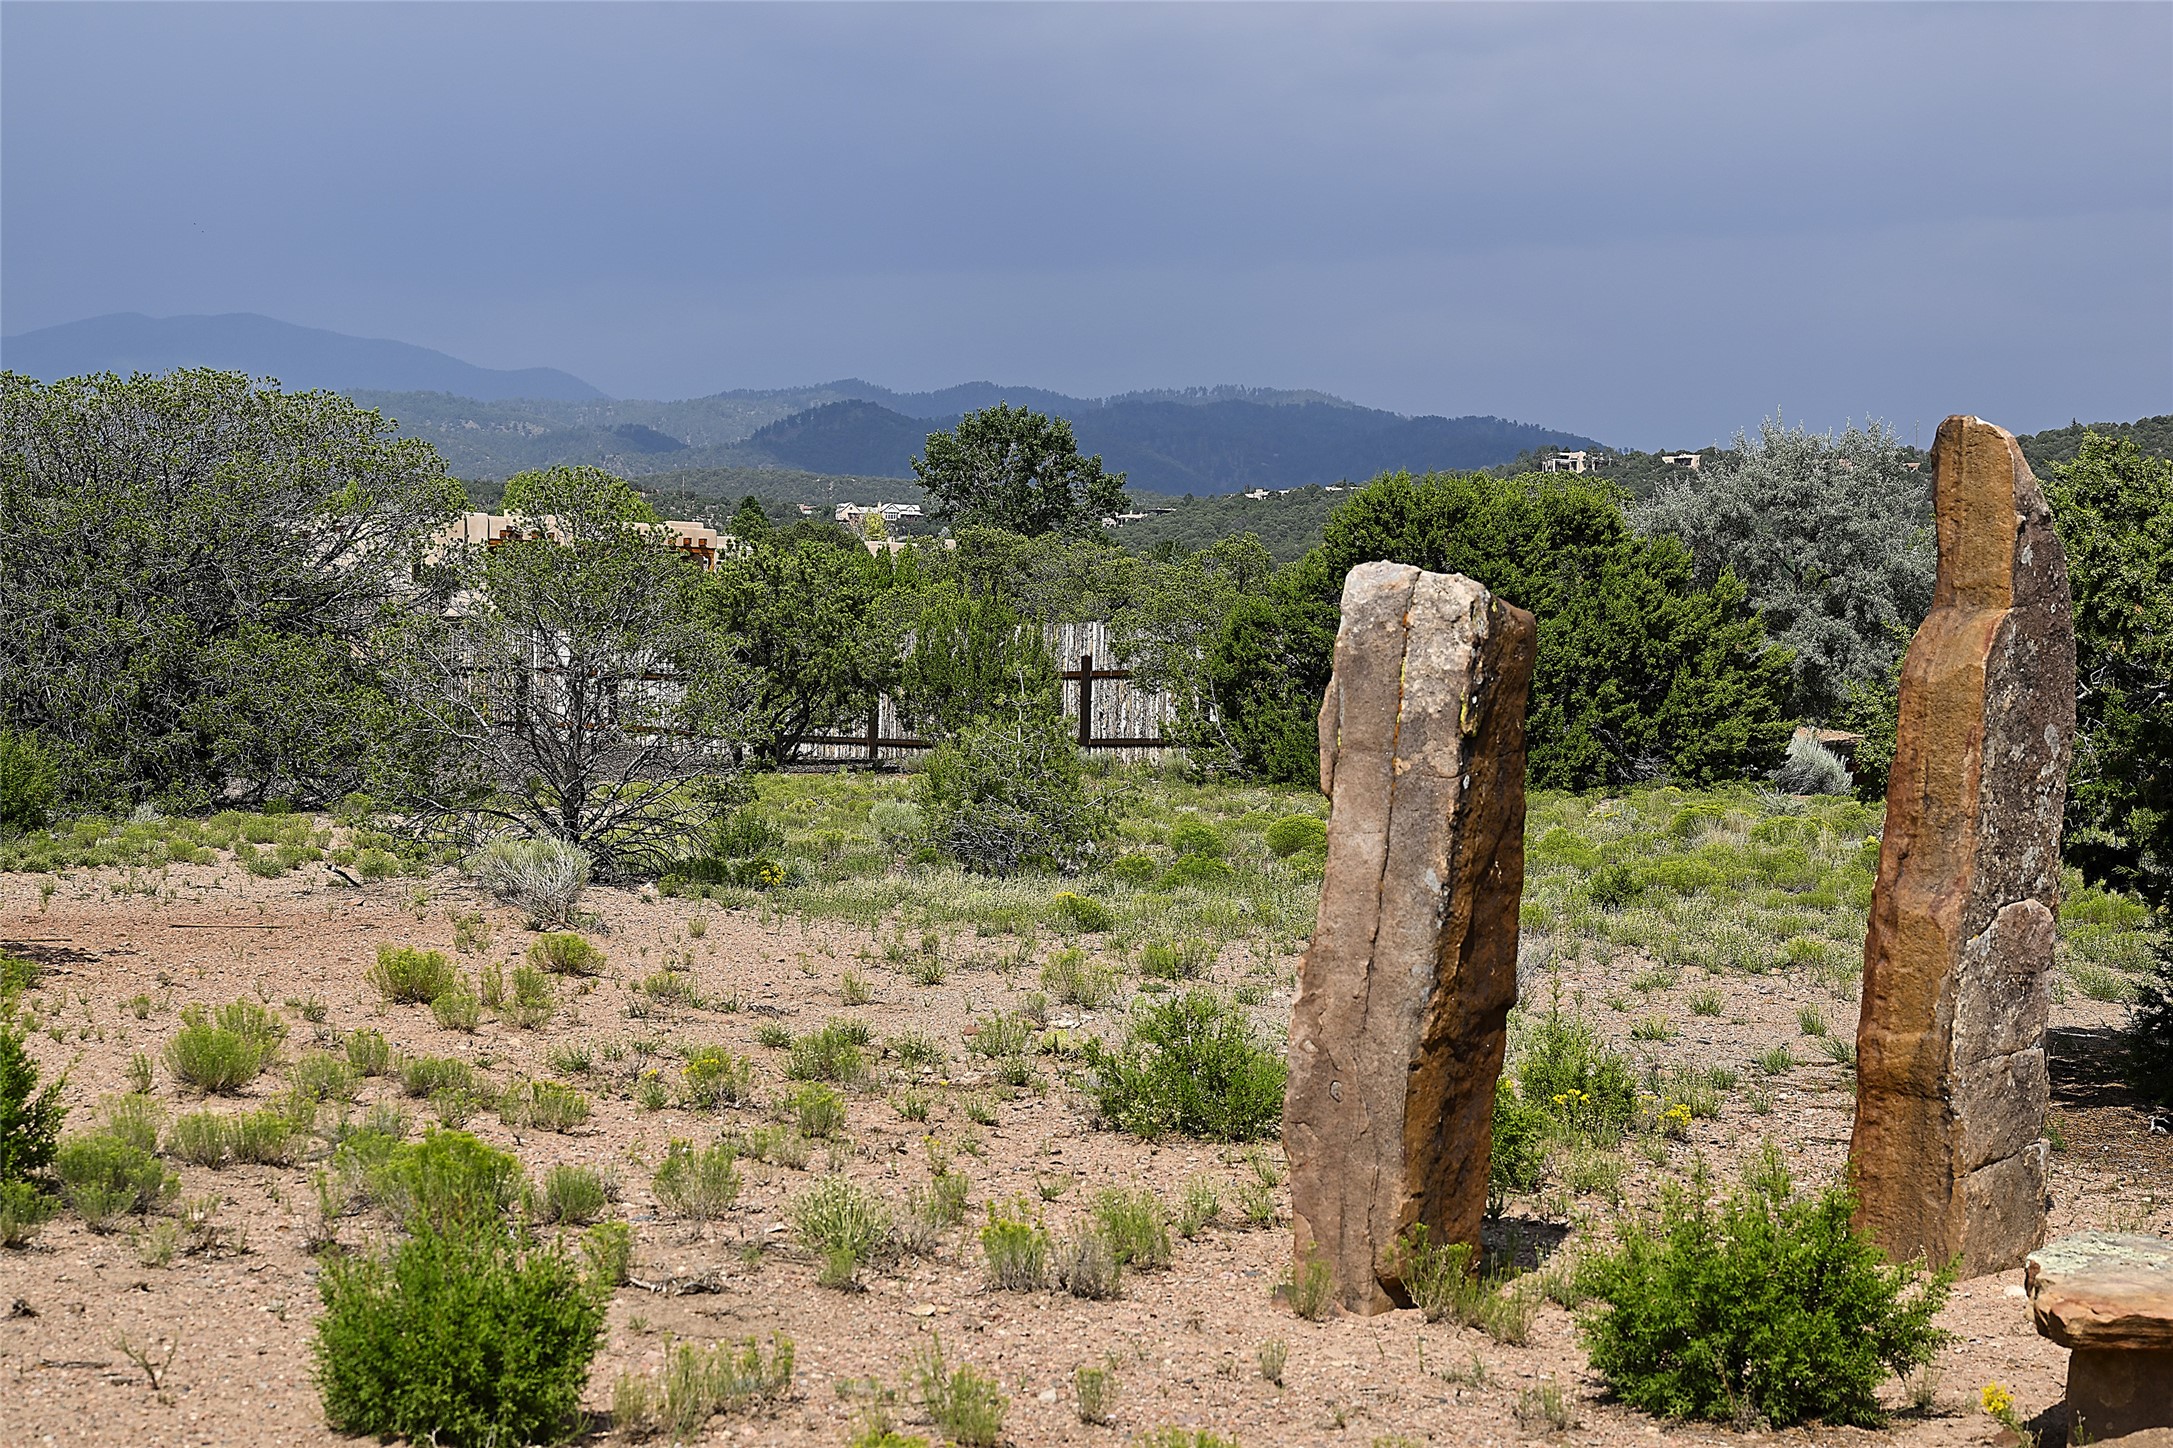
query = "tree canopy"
x=1013 y=468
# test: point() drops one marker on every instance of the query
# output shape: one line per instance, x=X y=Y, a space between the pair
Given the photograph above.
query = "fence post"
x=875 y=730
x=1086 y=700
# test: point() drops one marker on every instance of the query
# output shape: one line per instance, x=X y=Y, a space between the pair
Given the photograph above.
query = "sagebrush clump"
x=1193 y=1066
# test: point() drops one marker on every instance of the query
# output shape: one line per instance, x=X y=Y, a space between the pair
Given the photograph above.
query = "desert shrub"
x=1169 y=1437
x=697 y=1383
x=818 y=1110
x=533 y=1001
x=369 y=1053
x=469 y=1335
x=842 y=1224
x=219 y=1054
x=426 y=1076
x=830 y=1054
x=1201 y=870
x=319 y=1076
x=543 y=876
x=1520 y=1147
x=1193 y=1066
x=716 y=1077
x=898 y=823
x=1811 y=768
x=103 y=1177
x=30 y=1115
x=457 y=1008
x=697 y=1182
x=1568 y=1072
x=1087 y=1266
x=564 y=953
x=1767 y=1305
x=1293 y=833
x=1000 y=1035
x=576 y=1194
x=268 y=1137
x=1135 y=867
x=24 y=1208
x=411 y=977
x=1136 y=1226
x=446 y=1181
x=1197 y=837
x=29 y=781
x=544 y=1105
x=966 y=1404
x=199 y=1138
x=1072 y=979
x=18 y=974
x=1008 y=794
x=1176 y=959
x=608 y=1248
x=1082 y=912
x=1016 y=1247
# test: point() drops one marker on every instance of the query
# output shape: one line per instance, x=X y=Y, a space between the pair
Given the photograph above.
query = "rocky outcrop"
x=1952 y=1086
x=1396 y=1037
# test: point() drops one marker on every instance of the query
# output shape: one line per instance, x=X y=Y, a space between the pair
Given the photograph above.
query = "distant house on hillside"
x=1578 y=461
x=705 y=545
x=855 y=516
x=1688 y=460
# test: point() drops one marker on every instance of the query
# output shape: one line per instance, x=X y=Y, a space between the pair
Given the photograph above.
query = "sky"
x=1649 y=225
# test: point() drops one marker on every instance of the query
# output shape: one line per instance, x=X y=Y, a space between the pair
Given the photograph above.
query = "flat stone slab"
x=2104 y=1290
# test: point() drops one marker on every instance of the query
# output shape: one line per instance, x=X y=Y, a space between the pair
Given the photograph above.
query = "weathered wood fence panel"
x=1112 y=712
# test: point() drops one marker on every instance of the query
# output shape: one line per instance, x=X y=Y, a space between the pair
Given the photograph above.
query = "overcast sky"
x=1650 y=225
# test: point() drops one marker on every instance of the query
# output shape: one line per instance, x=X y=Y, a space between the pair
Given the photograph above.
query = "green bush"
x=576 y=1194
x=1008 y=794
x=1768 y=1305
x=818 y=1110
x=1082 y=912
x=1568 y=1072
x=1136 y=1226
x=103 y=1177
x=1292 y=833
x=566 y=954
x=23 y=1210
x=29 y=781
x=830 y=1054
x=1016 y=1248
x=411 y=977
x=1520 y=1145
x=30 y=1117
x=448 y=1180
x=697 y=1182
x=219 y=1054
x=544 y=1105
x=716 y=1077
x=2149 y=1052
x=1193 y=1066
x=1197 y=837
x=1200 y=870
x=369 y=1053
x=698 y=1382
x=966 y=1404
x=426 y=1076
x=200 y=1138
x=1135 y=867
x=465 y=1336
x=841 y=1223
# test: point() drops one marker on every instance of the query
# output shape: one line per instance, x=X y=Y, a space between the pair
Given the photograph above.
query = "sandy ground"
x=1185 y=1342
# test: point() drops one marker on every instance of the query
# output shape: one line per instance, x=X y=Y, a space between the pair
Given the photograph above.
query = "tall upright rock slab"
x=1396 y=1038
x=1951 y=1082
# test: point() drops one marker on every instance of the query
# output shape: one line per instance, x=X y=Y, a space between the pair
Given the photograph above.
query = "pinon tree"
x=1013 y=468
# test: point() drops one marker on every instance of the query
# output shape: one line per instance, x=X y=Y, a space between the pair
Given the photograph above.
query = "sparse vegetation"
x=1194 y=1066
x=219 y=1054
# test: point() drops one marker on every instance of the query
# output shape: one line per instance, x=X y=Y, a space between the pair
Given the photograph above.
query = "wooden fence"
x=1112 y=712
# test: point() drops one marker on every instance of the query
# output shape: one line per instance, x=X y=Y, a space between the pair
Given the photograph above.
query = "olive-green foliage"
x=29 y=781
x=1136 y=1226
x=1637 y=663
x=1293 y=833
x=545 y=1105
x=411 y=976
x=2149 y=1055
x=2113 y=507
x=1768 y=1304
x=696 y=1383
x=565 y=953
x=533 y=1001
x=836 y=1216
x=834 y=1053
x=1016 y=1247
x=716 y=1077
x=428 y=1075
x=818 y=1110
x=967 y=1405
x=24 y=1208
x=697 y=1182
x=971 y=657
x=1568 y=1072
x=1009 y=795
x=103 y=1177
x=1192 y=1066
x=463 y=1334
x=30 y=1115
x=445 y=1181
x=1519 y=1151
x=220 y=1053
x=1016 y=469
x=191 y=560
x=369 y=1053
x=576 y=1194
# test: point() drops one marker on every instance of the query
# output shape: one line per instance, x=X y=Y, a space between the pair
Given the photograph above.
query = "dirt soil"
x=236 y=1323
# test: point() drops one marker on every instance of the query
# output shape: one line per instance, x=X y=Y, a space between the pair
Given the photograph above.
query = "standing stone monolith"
x=1951 y=1084
x=1397 y=1034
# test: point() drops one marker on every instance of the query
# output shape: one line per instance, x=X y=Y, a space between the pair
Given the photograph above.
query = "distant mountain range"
x=490 y=423
x=300 y=357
